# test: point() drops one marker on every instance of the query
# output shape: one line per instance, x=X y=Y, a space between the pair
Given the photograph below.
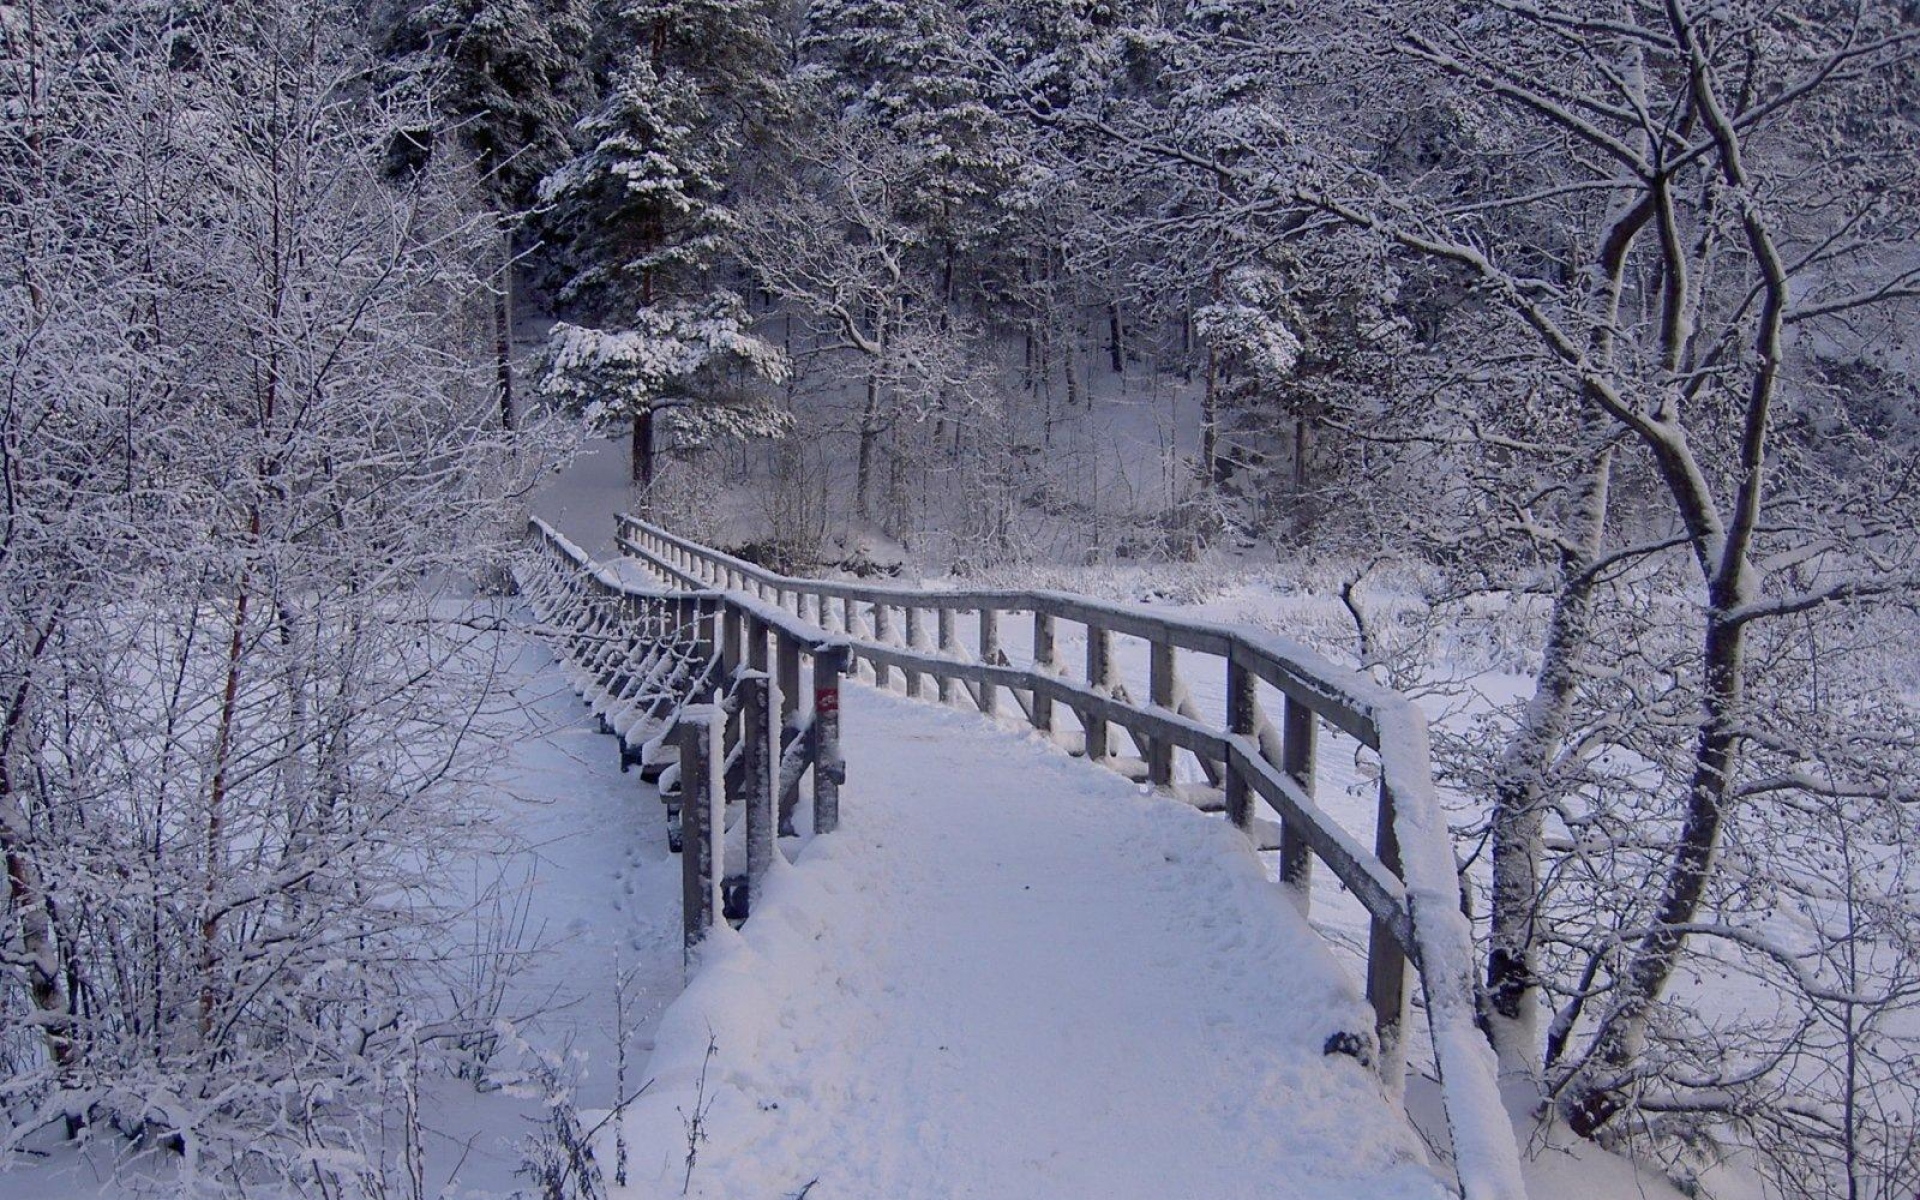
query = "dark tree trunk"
x=503 y=327
x=869 y=436
x=642 y=448
x=1210 y=423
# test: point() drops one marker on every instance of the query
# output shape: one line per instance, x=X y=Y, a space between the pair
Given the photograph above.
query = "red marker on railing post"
x=829 y=771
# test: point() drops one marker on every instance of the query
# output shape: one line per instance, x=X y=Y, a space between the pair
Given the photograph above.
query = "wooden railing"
x=682 y=679
x=1406 y=882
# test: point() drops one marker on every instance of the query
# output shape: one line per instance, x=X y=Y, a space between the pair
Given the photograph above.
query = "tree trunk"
x=640 y=469
x=1521 y=794
x=503 y=326
x=1116 y=349
x=1302 y=477
x=869 y=437
x=28 y=897
x=1210 y=423
x=1623 y=1035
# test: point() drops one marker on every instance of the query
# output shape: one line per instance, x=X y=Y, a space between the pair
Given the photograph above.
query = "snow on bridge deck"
x=1012 y=975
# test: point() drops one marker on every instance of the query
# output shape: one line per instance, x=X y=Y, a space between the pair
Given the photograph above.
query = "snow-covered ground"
x=590 y=894
x=1012 y=975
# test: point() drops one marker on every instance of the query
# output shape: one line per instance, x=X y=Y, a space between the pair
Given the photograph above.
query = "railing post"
x=1243 y=718
x=1386 y=962
x=949 y=648
x=1099 y=671
x=760 y=762
x=1298 y=733
x=989 y=650
x=829 y=771
x=787 y=677
x=882 y=631
x=914 y=678
x=1043 y=664
x=1160 y=692
x=756 y=657
x=731 y=637
x=702 y=816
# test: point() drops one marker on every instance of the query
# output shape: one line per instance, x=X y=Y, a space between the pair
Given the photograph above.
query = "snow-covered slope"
x=1012 y=975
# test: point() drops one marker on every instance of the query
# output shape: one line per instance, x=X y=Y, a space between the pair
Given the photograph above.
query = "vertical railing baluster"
x=702 y=817
x=882 y=629
x=787 y=679
x=760 y=763
x=989 y=652
x=829 y=771
x=949 y=648
x=1243 y=719
x=1298 y=734
x=1043 y=664
x=1099 y=673
x=1160 y=692
x=1386 y=962
x=914 y=678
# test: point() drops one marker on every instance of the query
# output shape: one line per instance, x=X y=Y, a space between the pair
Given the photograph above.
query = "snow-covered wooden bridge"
x=1007 y=973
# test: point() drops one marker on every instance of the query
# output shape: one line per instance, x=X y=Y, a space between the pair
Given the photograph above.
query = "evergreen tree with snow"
x=509 y=76
x=640 y=221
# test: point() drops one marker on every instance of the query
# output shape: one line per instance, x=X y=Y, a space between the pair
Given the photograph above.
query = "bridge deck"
x=1010 y=975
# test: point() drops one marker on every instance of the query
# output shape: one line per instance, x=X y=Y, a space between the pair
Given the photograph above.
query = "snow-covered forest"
x=1565 y=354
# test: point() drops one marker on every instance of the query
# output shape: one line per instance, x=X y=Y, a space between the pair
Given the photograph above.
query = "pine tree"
x=641 y=222
x=510 y=77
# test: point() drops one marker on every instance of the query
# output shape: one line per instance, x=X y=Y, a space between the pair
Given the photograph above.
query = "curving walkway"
x=1011 y=976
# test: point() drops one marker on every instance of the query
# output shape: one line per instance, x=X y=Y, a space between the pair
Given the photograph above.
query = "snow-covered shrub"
x=252 y=458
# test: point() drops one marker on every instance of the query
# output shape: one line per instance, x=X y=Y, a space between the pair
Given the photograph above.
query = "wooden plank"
x=1379 y=891
x=1335 y=700
x=1322 y=698
x=1181 y=731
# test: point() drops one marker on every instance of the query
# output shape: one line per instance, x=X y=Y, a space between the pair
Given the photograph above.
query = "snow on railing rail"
x=1407 y=882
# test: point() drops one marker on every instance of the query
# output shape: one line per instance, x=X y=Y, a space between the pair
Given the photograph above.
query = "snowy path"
x=1011 y=975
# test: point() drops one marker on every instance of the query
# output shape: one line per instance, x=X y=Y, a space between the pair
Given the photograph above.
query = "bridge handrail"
x=1407 y=883
x=721 y=652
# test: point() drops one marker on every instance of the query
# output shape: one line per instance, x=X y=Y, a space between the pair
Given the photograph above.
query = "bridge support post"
x=1099 y=678
x=1387 y=962
x=787 y=675
x=1042 y=662
x=914 y=637
x=702 y=822
x=759 y=763
x=829 y=770
x=1160 y=692
x=989 y=656
x=882 y=633
x=949 y=648
x=1297 y=739
x=1243 y=718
